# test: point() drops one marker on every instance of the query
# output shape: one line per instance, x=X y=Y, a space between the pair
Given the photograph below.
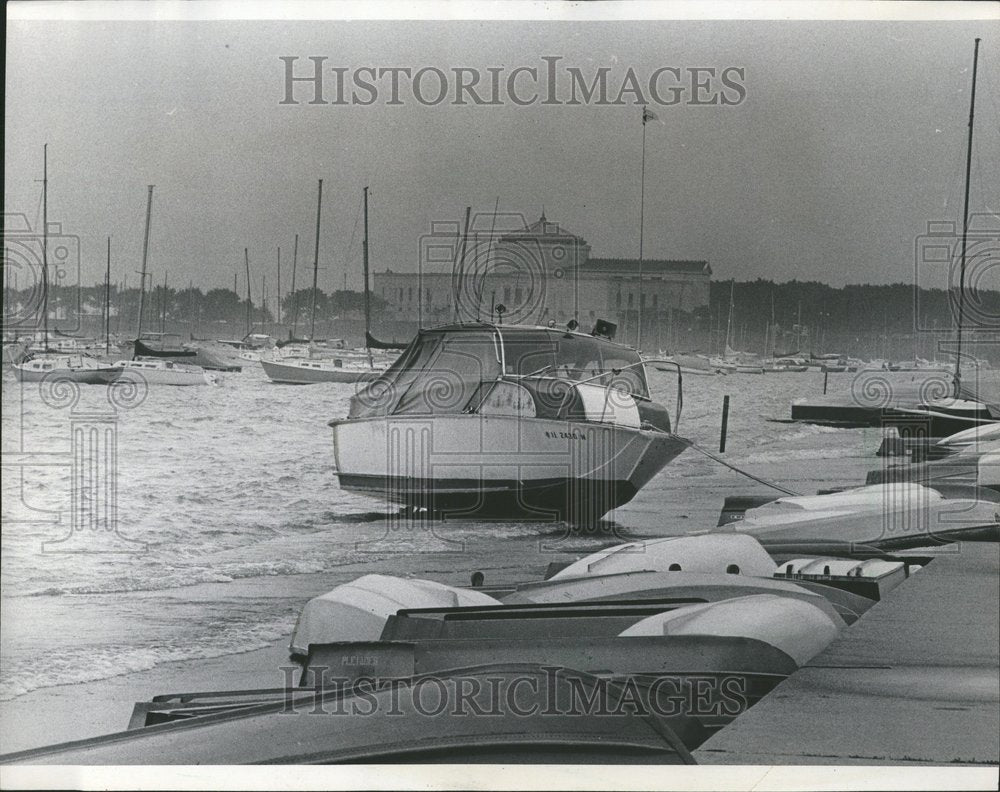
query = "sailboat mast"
x=163 y=306
x=319 y=209
x=278 y=313
x=965 y=223
x=729 y=321
x=246 y=261
x=368 y=310
x=107 y=303
x=145 y=257
x=45 y=247
x=295 y=295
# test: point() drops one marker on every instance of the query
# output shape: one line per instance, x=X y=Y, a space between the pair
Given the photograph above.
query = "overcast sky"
x=850 y=139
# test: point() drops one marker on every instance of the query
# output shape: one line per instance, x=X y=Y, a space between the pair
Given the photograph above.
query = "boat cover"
x=798 y=628
x=713 y=553
x=357 y=611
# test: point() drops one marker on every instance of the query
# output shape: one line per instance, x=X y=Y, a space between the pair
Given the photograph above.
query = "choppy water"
x=230 y=494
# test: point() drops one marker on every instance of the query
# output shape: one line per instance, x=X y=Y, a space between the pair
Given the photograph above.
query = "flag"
x=649 y=115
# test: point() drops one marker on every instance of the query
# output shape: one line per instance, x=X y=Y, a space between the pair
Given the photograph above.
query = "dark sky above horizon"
x=850 y=140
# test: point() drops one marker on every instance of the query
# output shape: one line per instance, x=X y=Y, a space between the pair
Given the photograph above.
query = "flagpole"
x=642 y=216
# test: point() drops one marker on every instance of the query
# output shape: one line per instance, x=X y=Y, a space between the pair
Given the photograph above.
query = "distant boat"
x=688 y=364
x=163 y=372
x=307 y=371
x=44 y=366
x=295 y=362
x=73 y=368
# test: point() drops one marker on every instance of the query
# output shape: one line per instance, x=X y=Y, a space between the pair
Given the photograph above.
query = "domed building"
x=537 y=274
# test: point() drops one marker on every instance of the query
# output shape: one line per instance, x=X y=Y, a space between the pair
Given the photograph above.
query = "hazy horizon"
x=851 y=138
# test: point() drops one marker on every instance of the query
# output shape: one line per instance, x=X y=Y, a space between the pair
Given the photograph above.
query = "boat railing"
x=611 y=384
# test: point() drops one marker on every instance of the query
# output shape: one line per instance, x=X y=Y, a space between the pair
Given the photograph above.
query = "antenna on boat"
x=319 y=207
x=368 y=311
x=459 y=264
x=145 y=258
x=965 y=224
x=489 y=252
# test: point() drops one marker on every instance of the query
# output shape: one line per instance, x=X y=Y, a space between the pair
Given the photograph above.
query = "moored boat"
x=501 y=421
x=308 y=371
x=163 y=372
x=74 y=368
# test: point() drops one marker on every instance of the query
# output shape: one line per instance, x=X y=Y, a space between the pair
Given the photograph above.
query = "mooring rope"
x=693 y=445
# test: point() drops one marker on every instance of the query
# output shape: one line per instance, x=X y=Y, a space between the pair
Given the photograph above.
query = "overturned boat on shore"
x=507 y=421
x=616 y=657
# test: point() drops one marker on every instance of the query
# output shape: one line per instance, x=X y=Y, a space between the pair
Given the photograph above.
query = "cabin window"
x=411 y=294
x=518 y=295
x=630 y=295
x=401 y=294
x=618 y=299
x=429 y=297
x=506 y=293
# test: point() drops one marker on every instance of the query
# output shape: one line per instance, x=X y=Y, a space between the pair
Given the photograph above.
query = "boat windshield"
x=442 y=370
x=553 y=353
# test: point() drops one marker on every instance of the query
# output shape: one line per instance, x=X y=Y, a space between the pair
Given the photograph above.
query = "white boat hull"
x=308 y=372
x=499 y=465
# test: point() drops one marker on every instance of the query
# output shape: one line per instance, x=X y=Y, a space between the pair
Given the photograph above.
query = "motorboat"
x=156 y=371
x=73 y=368
x=507 y=421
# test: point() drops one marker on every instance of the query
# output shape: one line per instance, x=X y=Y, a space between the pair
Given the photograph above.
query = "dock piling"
x=725 y=424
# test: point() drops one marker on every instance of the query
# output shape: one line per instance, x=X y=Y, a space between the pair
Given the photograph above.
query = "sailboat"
x=302 y=368
x=733 y=362
x=147 y=364
x=46 y=366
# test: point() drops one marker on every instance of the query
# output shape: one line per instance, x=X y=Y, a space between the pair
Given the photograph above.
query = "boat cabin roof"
x=443 y=367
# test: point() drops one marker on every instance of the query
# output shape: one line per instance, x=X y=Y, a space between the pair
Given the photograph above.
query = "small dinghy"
x=357 y=611
x=692 y=586
x=710 y=553
x=797 y=628
x=882 y=517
